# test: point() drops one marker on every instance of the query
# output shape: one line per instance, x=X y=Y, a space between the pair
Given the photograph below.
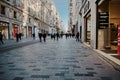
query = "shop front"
x=29 y=31
x=24 y=31
x=4 y=28
x=14 y=30
x=107 y=25
x=87 y=18
x=88 y=29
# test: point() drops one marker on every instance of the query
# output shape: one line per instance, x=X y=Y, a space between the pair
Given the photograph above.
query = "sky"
x=62 y=8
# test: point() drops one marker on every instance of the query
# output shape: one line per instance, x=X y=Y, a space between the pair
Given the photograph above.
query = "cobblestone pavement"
x=55 y=60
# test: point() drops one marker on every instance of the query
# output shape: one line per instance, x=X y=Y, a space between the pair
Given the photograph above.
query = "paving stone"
x=32 y=66
x=59 y=74
x=1 y=73
x=24 y=73
x=18 y=78
x=17 y=69
x=69 y=79
x=97 y=64
x=3 y=79
x=1 y=66
x=40 y=76
x=89 y=68
x=92 y=72
x=106 y=78
x=64 y=68
x=75 y=66
x=78 y=74
x=73 y=61
x=65 y=72
x=36 y=69
x=88 y=75
x=55 y=60
x=11 y=65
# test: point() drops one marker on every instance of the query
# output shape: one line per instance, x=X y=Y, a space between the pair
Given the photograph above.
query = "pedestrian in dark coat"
x=54 y=36
x=17 y=37
x=57 y=36
x=33 y=36
x=1 y=38
x=44 y=37
x=20 y=35
x=40 y=36
x=77 y=36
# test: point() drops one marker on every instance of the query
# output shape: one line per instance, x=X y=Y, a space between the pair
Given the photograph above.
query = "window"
x=29 y=20
x=2 y=10
x=71 y=4
x=15 y=14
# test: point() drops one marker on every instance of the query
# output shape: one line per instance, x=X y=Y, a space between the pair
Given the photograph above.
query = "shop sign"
x=118 y=40
x=15 y=31
x=103 y=20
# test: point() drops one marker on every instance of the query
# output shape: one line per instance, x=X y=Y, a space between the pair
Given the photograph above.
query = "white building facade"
x=98 y=23
x=26 y=17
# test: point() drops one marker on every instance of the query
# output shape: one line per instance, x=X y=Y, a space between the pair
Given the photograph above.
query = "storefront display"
x=107 y=24
x=88 y=29
x=15 y=30
x=30 y=31
x=118 y=50
x=24 y=32
x=4 y=30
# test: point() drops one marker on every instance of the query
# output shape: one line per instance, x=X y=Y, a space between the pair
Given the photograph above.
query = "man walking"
x=77 y=36
x=44 y=37
x=40 y=36
x=1 y=38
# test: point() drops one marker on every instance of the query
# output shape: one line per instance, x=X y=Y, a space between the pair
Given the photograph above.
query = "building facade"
x=98 y=23
x=26 y=17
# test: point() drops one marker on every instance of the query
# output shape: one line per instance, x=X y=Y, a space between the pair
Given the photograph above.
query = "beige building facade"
x=26 y=17
x=98 y=23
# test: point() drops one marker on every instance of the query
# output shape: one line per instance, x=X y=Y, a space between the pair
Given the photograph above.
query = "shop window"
x=71 y=4
x=15 y=14
x=2 y=10
x=29 y=20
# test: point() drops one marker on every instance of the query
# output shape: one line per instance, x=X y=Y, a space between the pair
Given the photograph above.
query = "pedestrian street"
x=64 y=59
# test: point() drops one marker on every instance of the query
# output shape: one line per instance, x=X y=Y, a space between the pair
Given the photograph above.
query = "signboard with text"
x=118 y=51
x=103 y=20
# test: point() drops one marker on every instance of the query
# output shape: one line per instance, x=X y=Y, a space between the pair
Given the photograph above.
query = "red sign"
x=15 y=31
x=118 y=40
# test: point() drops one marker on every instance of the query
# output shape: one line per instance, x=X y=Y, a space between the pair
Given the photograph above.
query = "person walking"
x=20 y=35
x=33 y=36
x=44 y=37
x=17 y=37
x=1 y=38
x=57 y=36
x=40 y=36
x=66 y=35
x=77 y=36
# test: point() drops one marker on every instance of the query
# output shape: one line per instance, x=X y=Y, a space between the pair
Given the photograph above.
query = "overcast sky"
x=62 y=8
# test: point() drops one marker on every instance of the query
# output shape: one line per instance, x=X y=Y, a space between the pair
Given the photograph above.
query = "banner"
x=118 y=51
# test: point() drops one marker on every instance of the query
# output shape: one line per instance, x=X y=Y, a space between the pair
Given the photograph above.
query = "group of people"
x=56 y=36
x=42 y=35
x=18 y=37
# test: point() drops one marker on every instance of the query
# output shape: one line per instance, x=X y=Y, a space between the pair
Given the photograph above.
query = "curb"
x=111 y=60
